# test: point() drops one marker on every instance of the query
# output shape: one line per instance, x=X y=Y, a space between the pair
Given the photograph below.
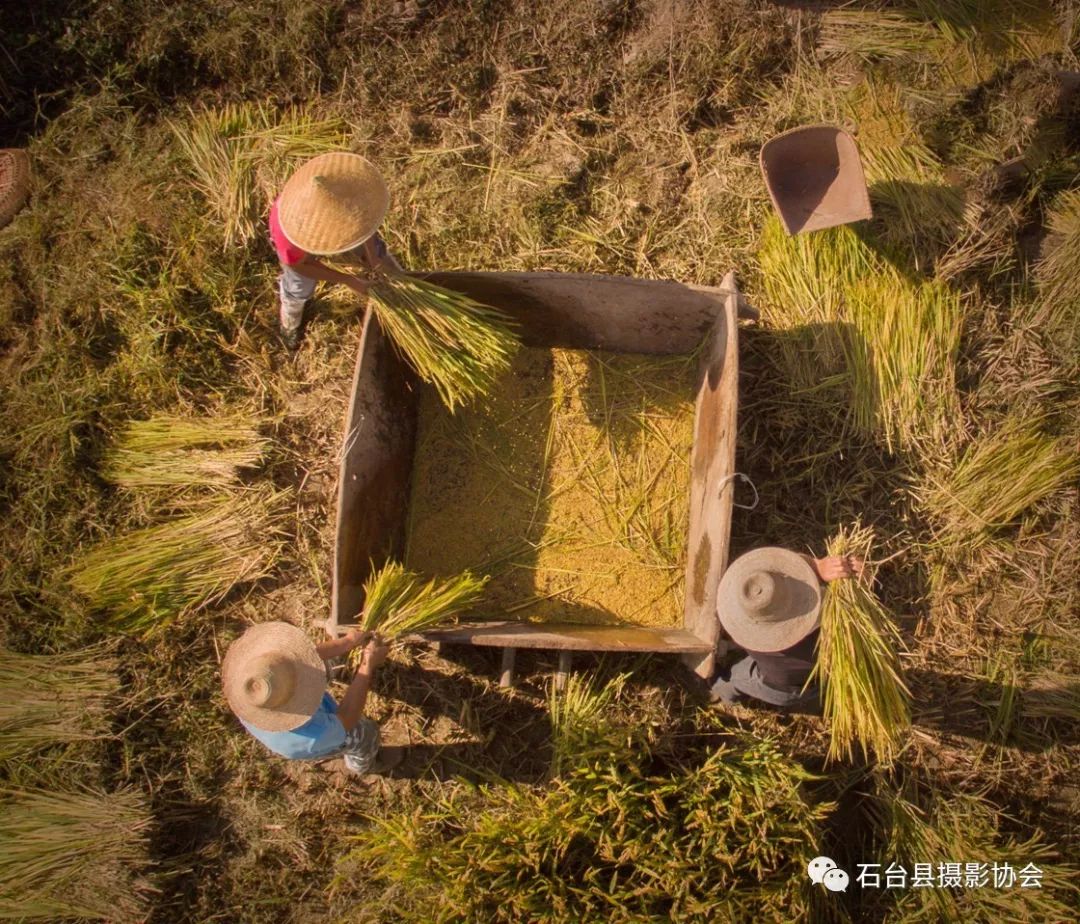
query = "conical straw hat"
x=14 y=182
x=333 y=203
x=769 y=599
x=273 y=677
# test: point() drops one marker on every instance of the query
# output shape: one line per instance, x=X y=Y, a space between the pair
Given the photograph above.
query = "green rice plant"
x=874 y=35
x=998 y=477
x=174 y=451
x=902 y=358
x=453 y=342
x=241 y=154
x=867 y=704
x=1056 y=277
x=397 y=603
x=142 y=580
x=621 y=837
x=73 y=855
x=56 y=699
x=580 y=716
x=967 y=828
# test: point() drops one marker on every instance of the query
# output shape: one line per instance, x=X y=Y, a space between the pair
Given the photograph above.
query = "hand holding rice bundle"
x=397 y=603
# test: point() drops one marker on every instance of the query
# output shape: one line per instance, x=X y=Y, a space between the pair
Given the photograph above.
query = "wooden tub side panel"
x=711 y=478
x=582 y=311
x=375 y=469
x=565 y=637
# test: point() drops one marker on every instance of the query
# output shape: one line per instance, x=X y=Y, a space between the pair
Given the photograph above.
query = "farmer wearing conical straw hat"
x=769 y=603
x=331 y=206
x=274 y=678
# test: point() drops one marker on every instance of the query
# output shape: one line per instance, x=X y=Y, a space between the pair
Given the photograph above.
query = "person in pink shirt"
x=331 y=206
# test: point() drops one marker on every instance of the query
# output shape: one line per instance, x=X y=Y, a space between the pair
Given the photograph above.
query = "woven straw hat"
x=333 y=203
x=273 y=677
x=769 y=599
x=14 y=182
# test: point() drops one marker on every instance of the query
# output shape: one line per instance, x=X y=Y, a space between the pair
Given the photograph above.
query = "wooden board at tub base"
x=574 y=638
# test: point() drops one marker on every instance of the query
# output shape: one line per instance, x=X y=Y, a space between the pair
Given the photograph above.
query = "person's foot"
x=387 y=759
x=291 y=337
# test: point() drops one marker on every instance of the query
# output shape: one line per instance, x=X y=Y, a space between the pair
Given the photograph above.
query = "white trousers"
x=295 y=289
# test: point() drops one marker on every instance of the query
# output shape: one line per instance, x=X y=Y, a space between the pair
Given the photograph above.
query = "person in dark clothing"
x=769 y=603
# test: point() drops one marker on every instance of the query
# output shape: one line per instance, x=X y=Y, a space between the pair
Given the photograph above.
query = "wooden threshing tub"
x=572 y=311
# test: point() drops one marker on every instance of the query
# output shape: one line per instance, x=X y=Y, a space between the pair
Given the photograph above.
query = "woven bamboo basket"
x=14 y=182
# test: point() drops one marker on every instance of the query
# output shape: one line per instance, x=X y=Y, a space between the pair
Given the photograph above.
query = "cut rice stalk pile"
x=397 y=602
x=1057 y=278
x=867 y=703
x=1052 y=695
x=874 y=35
x=997 y=478
x=54 y=699
x=958 y=824
x=623 y=836
x=902 y=358
x=67 y=855
x=177 y=451
x=858 y=321
x=241 y=155
x=453 y=342
x=143 y=579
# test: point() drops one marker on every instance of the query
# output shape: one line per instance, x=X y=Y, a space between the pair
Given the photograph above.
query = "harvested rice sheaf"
x=867 y=704
x=184 y=451
x=854 y=320
x=452 y=341
x=55 y=699
x=74 y=855
x=998 y=477
x=398 y=602
x=143 y=579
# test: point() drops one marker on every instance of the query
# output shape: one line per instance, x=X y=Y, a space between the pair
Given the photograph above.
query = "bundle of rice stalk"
x=67 y=855
x=454 y=343
x=1052 y=695
x=174 y=451
x=902 y=357
x=874 y=35
x=805 y=279
x=240 y=155
x=55 y=699
x=143 y=579
x=397 y=602
x=1056 y=276
x=867 y=703
x=998 y=477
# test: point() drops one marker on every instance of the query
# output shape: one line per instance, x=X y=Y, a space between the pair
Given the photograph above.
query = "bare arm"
x=351 y=707
x=335 y=647
x=314 y=269
x=386 y=261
